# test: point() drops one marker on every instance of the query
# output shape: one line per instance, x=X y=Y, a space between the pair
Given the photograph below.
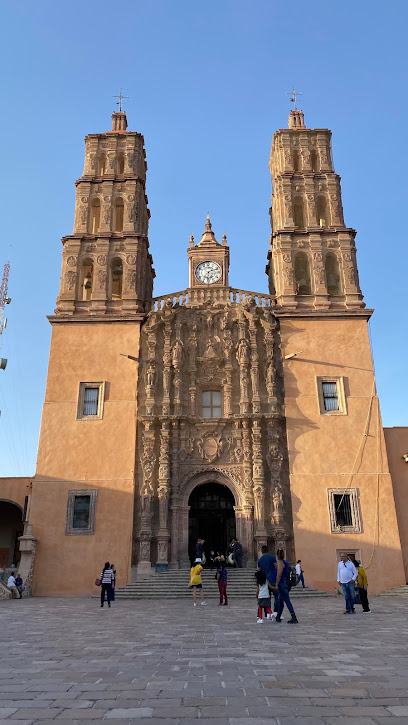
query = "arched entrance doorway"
x=11 y=527
x=211 y=517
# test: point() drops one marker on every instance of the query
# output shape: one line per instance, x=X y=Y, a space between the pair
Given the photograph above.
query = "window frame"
x=339 y=381
x=212 y=406
x=81 y=399
x=335 y=528
x=69 y=523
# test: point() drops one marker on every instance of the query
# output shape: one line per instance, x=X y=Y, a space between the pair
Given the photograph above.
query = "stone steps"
x=175 y=585
x=398 y=592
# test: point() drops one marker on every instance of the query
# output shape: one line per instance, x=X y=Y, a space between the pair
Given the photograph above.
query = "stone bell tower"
x=313 y=254
x=87 y=448
x=106 y=265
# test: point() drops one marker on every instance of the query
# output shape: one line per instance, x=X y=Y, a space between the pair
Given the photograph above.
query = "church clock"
x=208 y=272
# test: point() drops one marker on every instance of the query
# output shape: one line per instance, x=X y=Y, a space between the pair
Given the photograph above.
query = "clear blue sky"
x=207 y=84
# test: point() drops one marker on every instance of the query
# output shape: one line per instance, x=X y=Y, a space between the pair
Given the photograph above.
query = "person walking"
x=299 y=573
x=222 y=579
x=283 y=569
x=238 y=552
x=346 y=576
x=11 y=583
x=362 y=583
x=263 y=595
x=196 y=583
x=112 y=591
x=107 y=578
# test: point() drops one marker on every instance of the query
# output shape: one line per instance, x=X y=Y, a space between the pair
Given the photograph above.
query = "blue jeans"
x=284 y=599
x=300 y=579
x=348 y=591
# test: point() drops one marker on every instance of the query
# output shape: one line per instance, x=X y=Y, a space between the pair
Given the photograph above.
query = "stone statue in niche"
x=242 y=352
x=277 y=499
x=177 y=354
x=150 y=374
x=210 y=351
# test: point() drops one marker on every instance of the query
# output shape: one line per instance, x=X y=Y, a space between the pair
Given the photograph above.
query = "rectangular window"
x=81 y=507
x=90 y=400
x=344 y=510
x=330 y=393
x=330 y=397
x=211 y=404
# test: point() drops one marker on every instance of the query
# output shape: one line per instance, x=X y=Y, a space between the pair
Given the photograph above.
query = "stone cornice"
x=99 y=319
x=364 y=314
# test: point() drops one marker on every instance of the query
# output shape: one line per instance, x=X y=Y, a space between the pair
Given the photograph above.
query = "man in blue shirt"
x=267 y=564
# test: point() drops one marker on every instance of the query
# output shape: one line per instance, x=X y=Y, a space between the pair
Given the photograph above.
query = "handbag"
x=98 y=582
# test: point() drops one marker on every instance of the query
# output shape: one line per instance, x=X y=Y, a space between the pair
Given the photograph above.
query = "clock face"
x=208 y=272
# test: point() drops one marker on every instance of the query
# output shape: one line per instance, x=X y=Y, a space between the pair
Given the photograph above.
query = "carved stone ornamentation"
x=71 y=261
x=210 y=446
x=70 y=279
x=101 y=275
x=101 y=260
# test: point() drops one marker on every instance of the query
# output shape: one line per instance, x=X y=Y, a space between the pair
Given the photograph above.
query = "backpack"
x=291 y=578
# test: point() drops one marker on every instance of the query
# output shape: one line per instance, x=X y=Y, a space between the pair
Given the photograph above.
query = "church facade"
x=210 y=411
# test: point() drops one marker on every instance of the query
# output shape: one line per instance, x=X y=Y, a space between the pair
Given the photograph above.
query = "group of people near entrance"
x=272 y=577
x=233 y=555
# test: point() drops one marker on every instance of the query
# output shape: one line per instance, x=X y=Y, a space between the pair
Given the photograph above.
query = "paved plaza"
x=70 y=661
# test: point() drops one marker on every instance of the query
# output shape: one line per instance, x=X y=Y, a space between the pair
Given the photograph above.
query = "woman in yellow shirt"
x=362 y=583
x=196 y=583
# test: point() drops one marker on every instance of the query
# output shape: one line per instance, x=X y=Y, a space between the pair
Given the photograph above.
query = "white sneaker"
x=273 y=615
x=259 y=621
x=194 y=605
x=203 y=604
x=269 y=616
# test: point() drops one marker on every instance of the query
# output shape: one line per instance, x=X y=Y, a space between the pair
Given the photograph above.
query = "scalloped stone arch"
x=210 y=474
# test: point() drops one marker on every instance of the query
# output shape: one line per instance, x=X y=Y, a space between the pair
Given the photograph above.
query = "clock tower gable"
x=208 y=260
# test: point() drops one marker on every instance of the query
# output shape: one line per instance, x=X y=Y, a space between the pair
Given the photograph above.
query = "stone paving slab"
x=66 y=660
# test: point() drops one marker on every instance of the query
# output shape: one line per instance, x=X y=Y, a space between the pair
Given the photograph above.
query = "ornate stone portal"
x=225 y=342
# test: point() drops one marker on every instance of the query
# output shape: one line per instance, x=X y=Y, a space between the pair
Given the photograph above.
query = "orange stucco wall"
x=332 y=451
x=82 y=454
x=15 y=490
x=396 y=440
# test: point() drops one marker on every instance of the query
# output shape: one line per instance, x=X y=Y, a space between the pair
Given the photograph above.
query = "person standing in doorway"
x=238 y=552
x=222 y=579
x=195 y=581
x=299 y=573
x=283 y=569
x=362 y=583
x=346 y=576
x=107 y=577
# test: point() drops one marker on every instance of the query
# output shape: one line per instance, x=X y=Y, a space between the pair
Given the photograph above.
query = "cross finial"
x=294 y=95
x=119 y=102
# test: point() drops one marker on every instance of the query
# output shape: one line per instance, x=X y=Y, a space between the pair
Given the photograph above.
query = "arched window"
x=87 y=279
x=117 y=277
x=118 y=226
x=121 y=164
x=322 y=216
x=296 y=161
x=95 y=216
x=298 y=213
x=314 y=161
x=101 y=165
x=332 y=275
x=302 y=274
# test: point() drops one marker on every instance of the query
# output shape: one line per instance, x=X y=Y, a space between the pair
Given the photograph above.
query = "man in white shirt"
x=299 y=573
x=11 y=583
x=346 y=576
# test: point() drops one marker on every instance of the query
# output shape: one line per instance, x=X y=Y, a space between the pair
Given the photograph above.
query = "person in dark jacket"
x=238 y=552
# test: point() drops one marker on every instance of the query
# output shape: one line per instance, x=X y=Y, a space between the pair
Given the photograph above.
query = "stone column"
x=163 y=493
x=184 y=558
x=146 y=499
x=27 y=545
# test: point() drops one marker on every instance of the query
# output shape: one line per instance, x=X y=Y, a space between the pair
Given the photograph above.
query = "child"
x=263 y=595
x=195 y=581
x=222 y=576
